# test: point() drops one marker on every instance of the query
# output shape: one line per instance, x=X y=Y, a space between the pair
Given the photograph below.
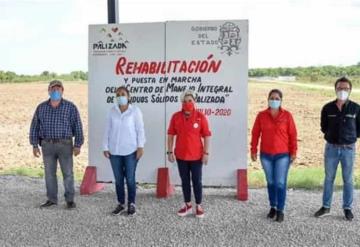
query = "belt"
x=342 y=145
x=57 y=140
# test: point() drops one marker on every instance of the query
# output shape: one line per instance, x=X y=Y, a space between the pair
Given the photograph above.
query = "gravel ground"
x=228 y=222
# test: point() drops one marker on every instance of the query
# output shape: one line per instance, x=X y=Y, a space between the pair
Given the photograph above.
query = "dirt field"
x=18 y=103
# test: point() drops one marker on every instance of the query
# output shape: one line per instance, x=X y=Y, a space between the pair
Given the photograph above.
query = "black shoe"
x=272 y=213
x=118 y=210
x=279 y=216
x=131 y=209
x=70 y=205
x=348 y=214
x=322 y=212
x=47 y=204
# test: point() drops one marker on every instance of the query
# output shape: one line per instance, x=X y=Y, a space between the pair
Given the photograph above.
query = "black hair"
x=275 y=91
x=343 y=79
x=125 y=89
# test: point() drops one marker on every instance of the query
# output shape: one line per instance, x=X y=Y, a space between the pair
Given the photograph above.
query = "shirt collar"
x=346 y=102
x=129 y=109
x=61 y=102
x=280 y=110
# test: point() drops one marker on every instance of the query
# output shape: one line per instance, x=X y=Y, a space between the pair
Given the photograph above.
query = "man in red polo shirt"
x=190 y=127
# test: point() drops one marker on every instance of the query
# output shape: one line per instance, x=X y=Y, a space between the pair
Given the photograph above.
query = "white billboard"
x=158 y=61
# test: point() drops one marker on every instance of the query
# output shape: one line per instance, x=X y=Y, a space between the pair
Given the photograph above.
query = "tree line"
x=311 y=74
x=8 y=76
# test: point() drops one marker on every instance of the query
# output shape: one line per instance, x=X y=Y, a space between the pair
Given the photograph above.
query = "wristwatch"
x=169 y=152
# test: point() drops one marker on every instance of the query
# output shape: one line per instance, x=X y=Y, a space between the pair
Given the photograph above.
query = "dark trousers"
x=191 y=170
x=62 y=152
x=124 y=167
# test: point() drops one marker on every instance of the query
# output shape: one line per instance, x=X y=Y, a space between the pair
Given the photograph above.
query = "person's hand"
x=107 y=154
x=139 y=153
x=76 y=151
x=171 y=157
x=253 y=157
x=36 y=152
x=292 y=158
x=205 y=159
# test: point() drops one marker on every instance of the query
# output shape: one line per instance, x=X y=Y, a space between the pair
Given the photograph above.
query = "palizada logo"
x=229 y=38
x=114 y=40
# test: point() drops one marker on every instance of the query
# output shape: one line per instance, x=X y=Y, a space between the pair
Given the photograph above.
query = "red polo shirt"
x=188 y=132
x=278 y=135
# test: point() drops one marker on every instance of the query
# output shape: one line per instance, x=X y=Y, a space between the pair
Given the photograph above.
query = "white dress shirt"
x=124 y=132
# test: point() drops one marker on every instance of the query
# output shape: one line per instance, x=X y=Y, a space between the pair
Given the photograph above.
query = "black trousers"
x=191 y=171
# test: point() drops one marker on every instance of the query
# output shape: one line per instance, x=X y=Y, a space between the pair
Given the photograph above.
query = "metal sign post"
x=113 y=11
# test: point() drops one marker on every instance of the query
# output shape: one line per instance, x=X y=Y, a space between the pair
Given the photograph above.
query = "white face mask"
x=342 y=95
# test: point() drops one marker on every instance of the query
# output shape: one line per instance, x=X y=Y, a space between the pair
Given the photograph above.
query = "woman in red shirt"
x=190 y=127
x=276 y=129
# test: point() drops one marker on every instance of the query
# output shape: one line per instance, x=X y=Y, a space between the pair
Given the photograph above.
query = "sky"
x=52 y=35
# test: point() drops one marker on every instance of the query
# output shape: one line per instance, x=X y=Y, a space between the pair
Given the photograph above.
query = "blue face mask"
x=274 y=104
x=55 y=95
x=122 y=100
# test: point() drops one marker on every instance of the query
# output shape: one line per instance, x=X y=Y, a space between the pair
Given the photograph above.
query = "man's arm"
x=77 y=128
x=358 y=122
x=34 y=134
x=323 y=120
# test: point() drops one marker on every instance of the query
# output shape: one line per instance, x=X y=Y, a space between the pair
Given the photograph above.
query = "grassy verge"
x=34 y=172
x=308 y=178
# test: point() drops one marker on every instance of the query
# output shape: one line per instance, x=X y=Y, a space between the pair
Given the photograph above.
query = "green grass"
x=308 y=178
x=24 y=171
x=34 y=172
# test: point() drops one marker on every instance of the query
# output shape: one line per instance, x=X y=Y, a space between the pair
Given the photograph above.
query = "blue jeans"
x=124 y=167
x=191 y=170
x=346 y=156
x=276 y=169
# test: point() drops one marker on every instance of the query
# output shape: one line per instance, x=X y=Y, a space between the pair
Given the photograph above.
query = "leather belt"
x=56 y=140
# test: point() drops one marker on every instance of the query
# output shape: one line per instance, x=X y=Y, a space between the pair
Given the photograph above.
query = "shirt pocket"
x=333 y=121
x=66 y=120
x=350 y=123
